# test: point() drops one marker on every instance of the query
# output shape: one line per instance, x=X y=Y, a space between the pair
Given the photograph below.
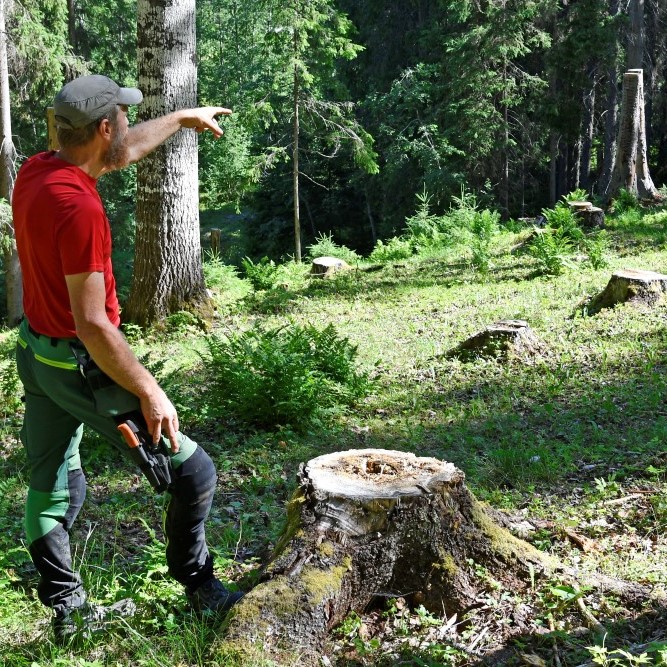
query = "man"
x=71 y=319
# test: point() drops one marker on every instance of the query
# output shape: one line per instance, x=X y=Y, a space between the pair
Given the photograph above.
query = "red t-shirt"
x=61 y=229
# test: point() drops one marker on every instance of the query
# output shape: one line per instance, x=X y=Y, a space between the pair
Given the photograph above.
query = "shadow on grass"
x=641 y=632
x=382 y=282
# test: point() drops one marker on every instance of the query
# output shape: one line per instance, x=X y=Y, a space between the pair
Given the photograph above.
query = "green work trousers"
x=57 y=405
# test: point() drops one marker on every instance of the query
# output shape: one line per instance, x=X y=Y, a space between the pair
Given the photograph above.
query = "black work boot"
x=212 y=599
x=82 y=622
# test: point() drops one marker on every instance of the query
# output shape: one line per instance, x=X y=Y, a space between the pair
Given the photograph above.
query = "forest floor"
x=571 y=441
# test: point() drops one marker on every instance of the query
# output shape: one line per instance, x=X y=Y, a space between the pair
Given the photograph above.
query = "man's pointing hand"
x=203 y=118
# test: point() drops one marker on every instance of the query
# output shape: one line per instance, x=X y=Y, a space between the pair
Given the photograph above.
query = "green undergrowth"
x=574 y=436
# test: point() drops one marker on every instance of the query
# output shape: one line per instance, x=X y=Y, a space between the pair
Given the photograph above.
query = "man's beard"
x=118 y=154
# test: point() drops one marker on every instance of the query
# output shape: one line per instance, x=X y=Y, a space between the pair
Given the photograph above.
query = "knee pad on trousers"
x=195 y=477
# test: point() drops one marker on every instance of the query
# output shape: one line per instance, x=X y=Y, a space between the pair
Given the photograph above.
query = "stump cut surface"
x=326 y=267
x=376 y=473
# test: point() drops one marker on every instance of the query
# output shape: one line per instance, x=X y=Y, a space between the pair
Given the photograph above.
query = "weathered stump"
x=325 y=267
x=501 y=339
x=630 y=286
x=591 y=218
x=588 y=216
x=367 y=524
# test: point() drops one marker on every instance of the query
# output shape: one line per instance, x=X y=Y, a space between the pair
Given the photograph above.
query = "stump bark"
x=588 y=216
x=501 y=339
x=325 y=267
x=368 y=524
x=630 y=286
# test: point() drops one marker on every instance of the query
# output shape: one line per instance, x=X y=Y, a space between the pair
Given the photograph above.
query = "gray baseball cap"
x=89 y=98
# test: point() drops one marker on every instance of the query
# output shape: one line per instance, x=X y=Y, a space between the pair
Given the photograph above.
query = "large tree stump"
x=630 y=286
x=326 y=267
x=367 y=524
x=501 y=339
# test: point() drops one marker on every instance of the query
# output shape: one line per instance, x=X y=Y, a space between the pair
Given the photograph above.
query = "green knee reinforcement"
x=44 y=511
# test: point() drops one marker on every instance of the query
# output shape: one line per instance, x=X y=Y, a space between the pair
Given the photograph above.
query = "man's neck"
x=83 y=158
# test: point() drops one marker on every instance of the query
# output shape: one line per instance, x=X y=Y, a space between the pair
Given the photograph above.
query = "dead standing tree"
x=631 y=170
x=366 y=524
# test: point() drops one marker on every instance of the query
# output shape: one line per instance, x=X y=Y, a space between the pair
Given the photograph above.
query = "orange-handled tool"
x=151 y=461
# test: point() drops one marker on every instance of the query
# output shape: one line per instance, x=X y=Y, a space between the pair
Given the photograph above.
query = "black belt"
x=36 y=334
x=54 y=340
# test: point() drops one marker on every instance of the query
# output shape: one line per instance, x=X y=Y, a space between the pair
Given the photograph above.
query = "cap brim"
x=129 y=96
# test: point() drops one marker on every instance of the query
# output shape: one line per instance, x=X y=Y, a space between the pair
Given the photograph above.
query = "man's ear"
x=104 y=129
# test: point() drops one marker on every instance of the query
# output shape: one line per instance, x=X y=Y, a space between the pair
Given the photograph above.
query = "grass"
x=555 y=439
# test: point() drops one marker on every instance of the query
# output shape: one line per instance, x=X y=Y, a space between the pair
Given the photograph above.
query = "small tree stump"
x=630 y=286
x=326 y=267
x=368 y=524
x=588 y=216
x=591 y=218
x=502 y=339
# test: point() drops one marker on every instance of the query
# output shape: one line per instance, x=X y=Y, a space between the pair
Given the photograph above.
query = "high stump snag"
x=373 y=523
x=631 y=171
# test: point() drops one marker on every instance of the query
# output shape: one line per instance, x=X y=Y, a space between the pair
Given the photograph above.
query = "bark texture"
x=367 y=524
x=587 y=130
x=611 y=111
x=168 y=273
x=630 y=286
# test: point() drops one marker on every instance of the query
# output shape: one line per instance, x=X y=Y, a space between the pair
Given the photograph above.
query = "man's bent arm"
x=113 y=355
x=147 y=136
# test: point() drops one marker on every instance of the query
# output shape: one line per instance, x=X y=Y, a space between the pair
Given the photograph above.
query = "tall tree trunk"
x=13 y=282
x=611 y=112
x=610 y=132
x=555 y=139
x=371 y=220
x=168 y=272
x=505 y=160
x=573 y=165
x=553 y=169
x=295 y=148
x=651 y=80
x=631 y=171
x=71 y=24
x=587 y=127
x=635 y=49
x=659 y=116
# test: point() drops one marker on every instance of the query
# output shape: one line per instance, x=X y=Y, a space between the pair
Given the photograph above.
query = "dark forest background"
x=514 y=101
